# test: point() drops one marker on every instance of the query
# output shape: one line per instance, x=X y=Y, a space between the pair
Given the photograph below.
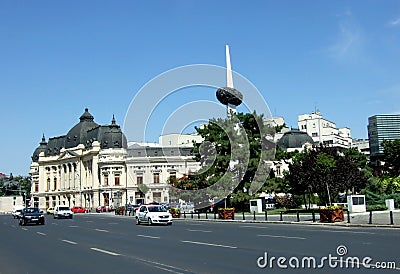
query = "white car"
x=61 y=211
x=17 y=210
x=187 y=207
x=153 y=214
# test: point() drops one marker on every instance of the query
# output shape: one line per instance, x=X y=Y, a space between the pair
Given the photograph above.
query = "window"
x=156 y=178
x=314 y=134
x=157 y=197
x=55 y=184
x=116 y=179
x=139 y=180
x=106 y=180
x=48 y=184
x=358 y=200
x=36 y=187
x=278 y=170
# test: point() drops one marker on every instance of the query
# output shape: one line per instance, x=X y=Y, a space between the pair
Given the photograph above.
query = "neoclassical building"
x=93 y=165
x=85 y=167
x=151 y=165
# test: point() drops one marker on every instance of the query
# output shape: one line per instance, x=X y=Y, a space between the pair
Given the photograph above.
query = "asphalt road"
x=105 y=243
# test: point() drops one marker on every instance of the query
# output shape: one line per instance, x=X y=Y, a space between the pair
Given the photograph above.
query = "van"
x=62 y=211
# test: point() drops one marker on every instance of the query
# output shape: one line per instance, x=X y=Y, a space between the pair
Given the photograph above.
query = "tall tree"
x=326 y=172
x=233 y=157
x=392 y=157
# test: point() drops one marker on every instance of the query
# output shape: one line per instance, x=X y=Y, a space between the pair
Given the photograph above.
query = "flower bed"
x=175 y=212
x=226 y=213
x=331 y=214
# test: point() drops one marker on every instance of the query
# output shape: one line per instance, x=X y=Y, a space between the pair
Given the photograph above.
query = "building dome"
x=109 y=136
x=294 y=139
x=41 y=148
x=78 y=134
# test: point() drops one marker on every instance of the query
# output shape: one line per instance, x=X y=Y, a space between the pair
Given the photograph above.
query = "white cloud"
x=395 y=22
x=348 y=41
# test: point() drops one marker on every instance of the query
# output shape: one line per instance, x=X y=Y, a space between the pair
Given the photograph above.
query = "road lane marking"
x=198 y=230
x=105 y=251
x=24 y=229
x=147 y=236
x=73 y=226
x=281 y=236
x=347 y=231
x=251 y=226
x=113 y=223
x=69 y=242
x=41 y=233
x=166 y=267
x=101 y=230
x=209 y=244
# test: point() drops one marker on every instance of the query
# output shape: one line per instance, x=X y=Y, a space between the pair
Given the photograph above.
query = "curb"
x=341 y=224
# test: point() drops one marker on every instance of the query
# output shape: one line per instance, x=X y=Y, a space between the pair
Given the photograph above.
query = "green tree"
x=392 y=157
x=326 y=172
x=233 y=159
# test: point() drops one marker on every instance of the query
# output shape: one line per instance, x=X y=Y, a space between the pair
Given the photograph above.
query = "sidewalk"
x=379 y=219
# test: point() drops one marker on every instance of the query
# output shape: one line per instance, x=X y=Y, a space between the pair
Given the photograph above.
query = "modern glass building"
x=380 y=128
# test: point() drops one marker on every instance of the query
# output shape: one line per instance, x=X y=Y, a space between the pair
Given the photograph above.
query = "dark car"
x=31 y=215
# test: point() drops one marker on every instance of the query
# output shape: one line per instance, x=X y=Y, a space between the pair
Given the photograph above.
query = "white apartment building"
x=362 y=145
x=179 y=140
x=324 y=131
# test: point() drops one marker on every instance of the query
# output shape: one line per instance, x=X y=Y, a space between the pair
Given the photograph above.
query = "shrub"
x=376 y=207
x=332 y=207
x=288 y=201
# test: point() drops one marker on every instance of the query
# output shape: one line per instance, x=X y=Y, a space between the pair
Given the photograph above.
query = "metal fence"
x=370 y=217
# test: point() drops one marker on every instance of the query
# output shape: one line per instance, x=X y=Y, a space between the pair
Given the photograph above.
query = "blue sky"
x=58 y=57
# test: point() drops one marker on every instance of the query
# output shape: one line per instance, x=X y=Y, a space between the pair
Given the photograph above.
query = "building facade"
x=150 y=166
x=362 y=145
x=93 y=166
x=324 y=131
x=381 y=128
x=85 y=167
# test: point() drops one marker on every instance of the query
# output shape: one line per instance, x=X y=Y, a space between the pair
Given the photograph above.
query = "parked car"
x=63 y=212
x=104 y=209
x=187 y=207
x=78 y=209
x=135 y=208
x=17 y=210
x=153 y=214
x=31 y=215
x=50 y=211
